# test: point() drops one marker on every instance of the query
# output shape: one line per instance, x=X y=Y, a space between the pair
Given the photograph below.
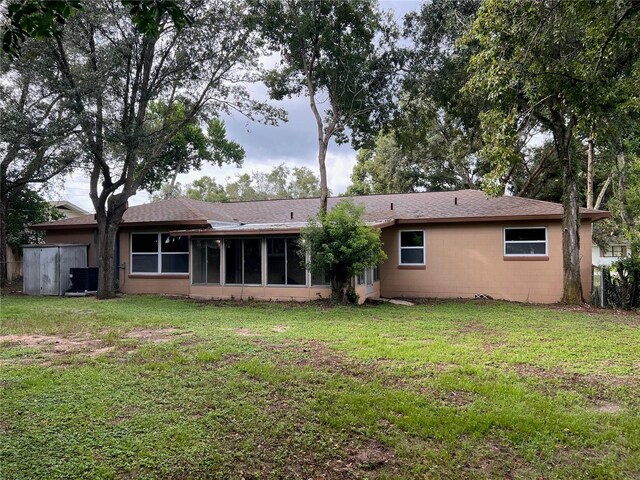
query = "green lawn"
x=147 y=387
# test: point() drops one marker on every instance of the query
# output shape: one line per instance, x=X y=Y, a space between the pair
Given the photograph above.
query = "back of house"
x=439 y=244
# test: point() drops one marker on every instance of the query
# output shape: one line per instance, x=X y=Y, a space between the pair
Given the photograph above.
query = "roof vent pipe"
x=455 y=200
x=391 y=205
x=291 y=215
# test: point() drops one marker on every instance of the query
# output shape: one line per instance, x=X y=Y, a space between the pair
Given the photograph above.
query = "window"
x=615 y=251
x=243 y=261
x=526 y=241
x=320 y=279
x=284 y=265
x=412 y=250
x=159 y=253
x=366 y=277
x=376 y=274
x=206 y=261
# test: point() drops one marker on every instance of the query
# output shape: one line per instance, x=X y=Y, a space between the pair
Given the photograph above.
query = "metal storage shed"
x=46 y=267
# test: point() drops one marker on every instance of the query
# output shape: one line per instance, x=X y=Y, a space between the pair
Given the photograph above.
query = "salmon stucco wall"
x=279 y=293
x=80 y=235
x=464 y=260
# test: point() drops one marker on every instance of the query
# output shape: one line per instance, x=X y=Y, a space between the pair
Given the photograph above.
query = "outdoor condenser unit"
x=83 y=279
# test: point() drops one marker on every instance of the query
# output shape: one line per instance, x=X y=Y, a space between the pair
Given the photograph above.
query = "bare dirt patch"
x=58 y=345
x=245 y=332
x=156 y=336
x=371 y=455
x=319 y=356
x=459 y=398
x=280 y=328
x=576 y=379
x=608 y=407
x=591 y=310
x=52 y=343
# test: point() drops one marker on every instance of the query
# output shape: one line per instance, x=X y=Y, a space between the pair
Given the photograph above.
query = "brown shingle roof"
x=472 y=205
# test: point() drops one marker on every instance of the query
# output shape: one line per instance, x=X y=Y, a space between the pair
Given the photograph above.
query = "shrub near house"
x=341 y=245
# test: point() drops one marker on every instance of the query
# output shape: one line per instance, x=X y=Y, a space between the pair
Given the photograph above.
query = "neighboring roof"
x=428 y=207
x=71 y=208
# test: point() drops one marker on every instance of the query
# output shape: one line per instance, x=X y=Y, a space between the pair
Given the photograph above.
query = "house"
x=605 y=257
x=439 y=244
x=68 y=209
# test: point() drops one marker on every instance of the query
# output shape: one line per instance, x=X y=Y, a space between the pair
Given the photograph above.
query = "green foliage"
x=538 y=64
x=385 y=168
x=438 y=127
x=280 y=182
x=190 y=146
x=28 y=208
x=342 y=245
x=36 y=19
x=338 y=48
x=41 y=19
x=148 y=15
x=622 y=282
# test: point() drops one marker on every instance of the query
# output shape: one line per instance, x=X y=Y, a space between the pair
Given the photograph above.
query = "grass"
x=149 y=387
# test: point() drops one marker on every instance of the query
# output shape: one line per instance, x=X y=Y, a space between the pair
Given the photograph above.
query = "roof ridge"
x=333 y=196
x=560 y=204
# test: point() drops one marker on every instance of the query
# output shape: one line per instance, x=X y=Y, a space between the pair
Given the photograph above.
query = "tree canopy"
x=339 y=54
x=539 y=67
x=134 y=94
x=280 y=182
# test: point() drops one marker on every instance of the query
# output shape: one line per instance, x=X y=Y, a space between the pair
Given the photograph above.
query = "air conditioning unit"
x=83 y=279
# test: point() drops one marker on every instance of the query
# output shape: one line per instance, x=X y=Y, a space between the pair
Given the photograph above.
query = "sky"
x=292 y=143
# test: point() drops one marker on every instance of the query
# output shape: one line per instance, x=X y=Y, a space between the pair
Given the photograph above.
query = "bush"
x=342 y=245
x=622 y=283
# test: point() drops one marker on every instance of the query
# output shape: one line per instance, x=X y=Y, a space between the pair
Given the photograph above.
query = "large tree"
x=111 y=74
x=38 y=137
x=437 y=124
x=338 y=53
x=558 y=64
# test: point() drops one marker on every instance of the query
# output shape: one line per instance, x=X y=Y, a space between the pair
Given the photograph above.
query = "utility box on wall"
x=46 y=267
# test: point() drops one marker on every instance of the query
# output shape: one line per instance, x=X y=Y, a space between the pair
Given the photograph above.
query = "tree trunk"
x=108 y=223
x=339 y=288
x=603 y=190
x=324 y=190
x=572 y=285
x=107 y=234
x=4 y=210
x=590 y=172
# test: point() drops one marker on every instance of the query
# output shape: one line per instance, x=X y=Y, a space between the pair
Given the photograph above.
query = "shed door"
x=49 y=272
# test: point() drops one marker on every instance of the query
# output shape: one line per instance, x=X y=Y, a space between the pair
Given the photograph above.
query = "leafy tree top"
x=341 y=244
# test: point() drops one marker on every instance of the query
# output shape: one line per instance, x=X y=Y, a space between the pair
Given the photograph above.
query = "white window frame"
x=545 y=241
x=159 y=254
x=424 y=248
